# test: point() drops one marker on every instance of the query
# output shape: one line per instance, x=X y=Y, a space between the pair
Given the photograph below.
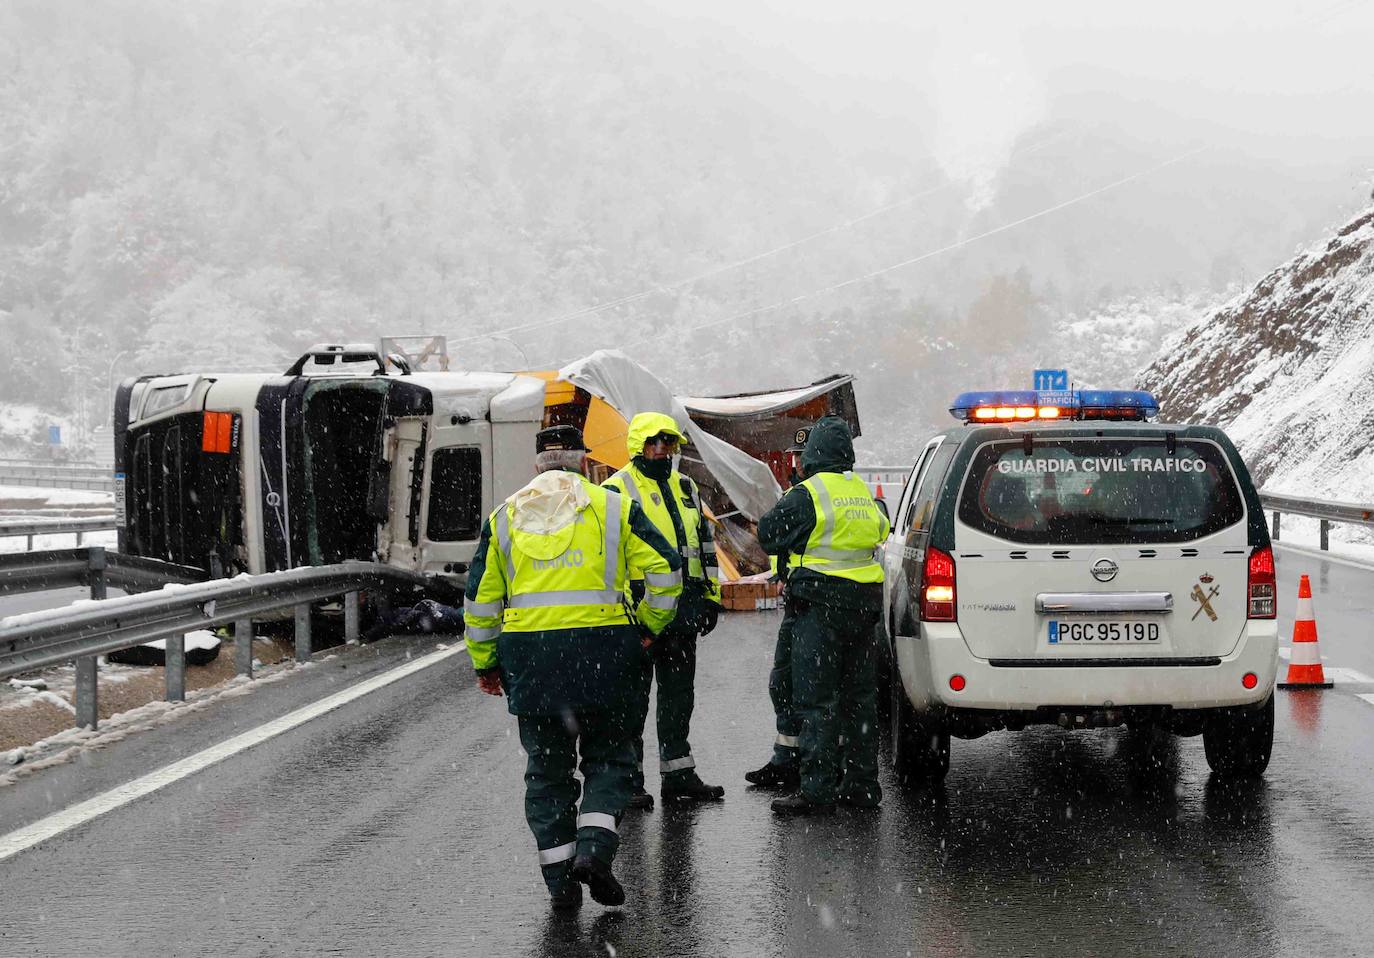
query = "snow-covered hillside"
x=1107 y=347
x=1288 y=370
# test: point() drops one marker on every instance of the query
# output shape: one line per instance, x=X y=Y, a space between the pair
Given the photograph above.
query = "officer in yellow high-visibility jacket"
x=547 y=621
x=829 y=528
x=672 y=503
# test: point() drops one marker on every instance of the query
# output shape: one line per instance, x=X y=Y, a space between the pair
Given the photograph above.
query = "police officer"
x=547 y=622
x=673 y=505
x=781 y=772
x=829 y=528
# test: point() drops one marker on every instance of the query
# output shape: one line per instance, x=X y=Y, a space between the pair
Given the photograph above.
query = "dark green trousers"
x=561 y=828
x=835 y=695
x=672 y=660
x=785 y=747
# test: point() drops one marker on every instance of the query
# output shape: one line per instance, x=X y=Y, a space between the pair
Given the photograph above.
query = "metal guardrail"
x=49 y=463
x=83 y=631
x=78 y=526
x=92 y=566
x=56 y=476
x=1325 y=510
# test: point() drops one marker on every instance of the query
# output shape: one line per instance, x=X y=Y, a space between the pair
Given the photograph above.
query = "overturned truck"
x=335 y=459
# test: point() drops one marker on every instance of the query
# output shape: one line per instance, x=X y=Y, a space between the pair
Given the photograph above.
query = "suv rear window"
x=1079 y=491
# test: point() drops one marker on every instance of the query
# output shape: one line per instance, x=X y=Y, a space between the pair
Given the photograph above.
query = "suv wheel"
x=1238 y=741
x=883 y=668
x=920 y=750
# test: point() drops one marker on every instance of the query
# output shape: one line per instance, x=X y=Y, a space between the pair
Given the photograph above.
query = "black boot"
x=568 y=897
x=641 y=800
x=799 y=804
x=772 y=777
x=596 y=875
x=691 y=788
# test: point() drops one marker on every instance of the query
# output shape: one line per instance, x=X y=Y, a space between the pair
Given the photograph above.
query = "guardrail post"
x=80 y=539
x=95 y=562
x=303 y=633
x=28 y=542
x=351 y=624
x=87 y=712
x=176 y=668
x=1275 y=533
x=243 y=647
x=1326 y=534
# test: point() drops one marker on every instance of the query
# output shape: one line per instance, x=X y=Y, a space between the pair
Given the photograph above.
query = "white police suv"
x=1061 y=559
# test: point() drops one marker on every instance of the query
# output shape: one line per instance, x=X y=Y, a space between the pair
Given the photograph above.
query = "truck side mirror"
x=379 y=491
x=882 y=507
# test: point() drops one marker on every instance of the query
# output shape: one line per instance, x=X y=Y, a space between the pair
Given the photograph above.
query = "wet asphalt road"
x=393 y=827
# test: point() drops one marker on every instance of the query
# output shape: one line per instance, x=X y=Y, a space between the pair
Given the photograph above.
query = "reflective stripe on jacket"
x=849 y=528
x=699 y=551
x=581 y=586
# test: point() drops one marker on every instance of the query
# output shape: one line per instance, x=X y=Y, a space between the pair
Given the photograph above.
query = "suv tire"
x=920 y=750
x=884 y=669
x=1238 y=741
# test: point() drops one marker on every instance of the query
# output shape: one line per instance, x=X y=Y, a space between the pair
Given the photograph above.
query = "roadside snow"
x=69 y=744
x=67 y=540
x=58 y=497
x=199 y=639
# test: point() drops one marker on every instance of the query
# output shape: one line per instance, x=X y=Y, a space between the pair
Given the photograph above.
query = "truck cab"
x=335 y=459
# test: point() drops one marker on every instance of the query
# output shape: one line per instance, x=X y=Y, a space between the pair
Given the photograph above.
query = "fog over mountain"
x=739 y=195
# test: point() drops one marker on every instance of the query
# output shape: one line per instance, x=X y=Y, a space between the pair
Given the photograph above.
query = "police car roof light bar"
x=1029 y=405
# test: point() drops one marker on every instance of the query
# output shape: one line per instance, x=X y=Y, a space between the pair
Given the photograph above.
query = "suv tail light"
x=937 y=587
x=1262 y=584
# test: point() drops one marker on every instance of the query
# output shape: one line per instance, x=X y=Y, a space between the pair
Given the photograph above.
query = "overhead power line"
x=738 y=264
x=912 y=261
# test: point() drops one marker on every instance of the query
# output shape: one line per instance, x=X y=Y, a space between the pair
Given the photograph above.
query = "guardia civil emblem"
x=658 y=500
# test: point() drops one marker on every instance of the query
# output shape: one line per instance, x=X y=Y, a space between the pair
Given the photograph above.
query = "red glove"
x=490 y=682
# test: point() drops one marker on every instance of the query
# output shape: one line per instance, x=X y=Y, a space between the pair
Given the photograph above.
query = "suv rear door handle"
x=1104 y=602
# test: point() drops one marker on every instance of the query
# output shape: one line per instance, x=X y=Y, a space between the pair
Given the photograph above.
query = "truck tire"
x=1238 y=741
x=920 y=751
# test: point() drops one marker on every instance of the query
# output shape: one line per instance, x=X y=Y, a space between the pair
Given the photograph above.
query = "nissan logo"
x=1104 y=570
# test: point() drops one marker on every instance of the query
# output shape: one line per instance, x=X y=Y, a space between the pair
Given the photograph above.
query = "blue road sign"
x=1051 y=379
x=54 y=435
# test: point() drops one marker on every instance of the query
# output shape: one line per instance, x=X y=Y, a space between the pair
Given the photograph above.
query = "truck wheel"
x=1238 y=741
x=920 y=750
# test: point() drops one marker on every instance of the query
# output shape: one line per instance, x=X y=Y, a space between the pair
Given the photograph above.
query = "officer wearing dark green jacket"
x=828 y=528
x=782 y=772
x=672 y=503
x=546 y=621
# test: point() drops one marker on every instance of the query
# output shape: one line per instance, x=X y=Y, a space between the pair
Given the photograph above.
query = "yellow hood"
x=648 y=424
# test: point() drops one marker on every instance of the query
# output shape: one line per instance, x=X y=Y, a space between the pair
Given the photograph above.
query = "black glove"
x=710 y=617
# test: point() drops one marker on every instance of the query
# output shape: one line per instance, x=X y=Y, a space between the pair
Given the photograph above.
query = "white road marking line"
x=59 y=822
x=1367 y=696
x=1325 y=556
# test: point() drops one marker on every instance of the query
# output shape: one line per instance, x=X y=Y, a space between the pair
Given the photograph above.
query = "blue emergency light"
x=1031 y=405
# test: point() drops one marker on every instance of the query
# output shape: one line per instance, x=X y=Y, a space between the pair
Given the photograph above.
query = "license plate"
x=1094 y=632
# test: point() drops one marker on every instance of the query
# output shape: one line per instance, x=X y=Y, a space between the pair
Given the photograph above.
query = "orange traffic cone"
x=1305 y=663
x=879 y=493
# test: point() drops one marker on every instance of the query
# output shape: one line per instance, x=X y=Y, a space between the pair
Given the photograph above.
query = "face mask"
x=658 y=469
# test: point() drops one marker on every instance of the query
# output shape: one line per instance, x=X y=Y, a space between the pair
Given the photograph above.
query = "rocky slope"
x=1288 y=370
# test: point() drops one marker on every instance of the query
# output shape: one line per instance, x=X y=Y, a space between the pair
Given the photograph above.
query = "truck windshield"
x=1102 y=490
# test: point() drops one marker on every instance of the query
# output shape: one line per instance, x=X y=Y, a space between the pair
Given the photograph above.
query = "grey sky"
x=1278 y=72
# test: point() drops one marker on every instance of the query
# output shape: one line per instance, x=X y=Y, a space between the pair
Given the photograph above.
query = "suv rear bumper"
x=1012 y=685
